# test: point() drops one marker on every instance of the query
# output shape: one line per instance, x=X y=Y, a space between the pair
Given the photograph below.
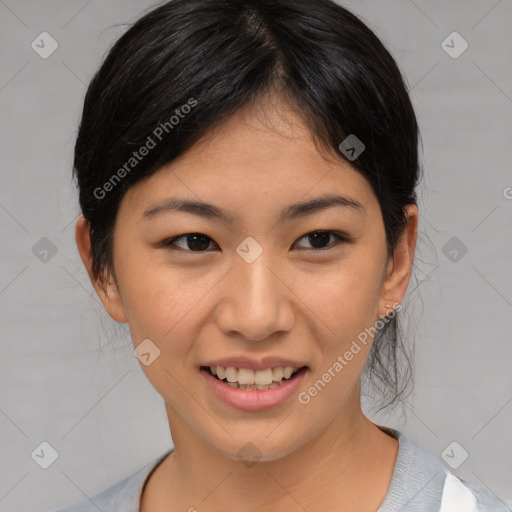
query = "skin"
x=290 y=302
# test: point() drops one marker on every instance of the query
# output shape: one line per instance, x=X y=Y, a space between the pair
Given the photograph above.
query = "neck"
x=352 y=454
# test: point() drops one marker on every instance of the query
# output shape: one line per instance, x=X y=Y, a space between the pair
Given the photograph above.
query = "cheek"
x=165 y=307
x=344 y=302
x=343 y=298
x=159 y=298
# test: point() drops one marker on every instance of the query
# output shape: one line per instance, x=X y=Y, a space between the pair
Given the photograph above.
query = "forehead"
x=260 y=158
x=265 y=132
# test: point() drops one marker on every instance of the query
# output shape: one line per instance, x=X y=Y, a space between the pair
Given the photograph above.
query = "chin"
x=251 y=450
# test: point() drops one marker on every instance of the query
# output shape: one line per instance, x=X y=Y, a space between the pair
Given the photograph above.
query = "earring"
x=382 y=315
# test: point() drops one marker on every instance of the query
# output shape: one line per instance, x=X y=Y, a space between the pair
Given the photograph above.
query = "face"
x=267 y=284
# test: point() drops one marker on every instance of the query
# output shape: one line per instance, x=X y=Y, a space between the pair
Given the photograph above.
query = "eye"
x=321 y=238
x=193 y=242
x=197 y=242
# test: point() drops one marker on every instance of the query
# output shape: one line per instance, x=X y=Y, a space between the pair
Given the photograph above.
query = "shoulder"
x=106 y=500
x=123 y=495
x=480 y=498
x=422 y=483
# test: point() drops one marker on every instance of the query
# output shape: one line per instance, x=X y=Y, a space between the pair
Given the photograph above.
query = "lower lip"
x=257 y=399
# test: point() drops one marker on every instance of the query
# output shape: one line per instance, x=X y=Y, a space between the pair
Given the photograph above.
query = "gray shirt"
x=420 y=483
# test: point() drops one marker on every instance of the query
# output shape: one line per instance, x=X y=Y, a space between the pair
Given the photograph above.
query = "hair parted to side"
x=219 y=56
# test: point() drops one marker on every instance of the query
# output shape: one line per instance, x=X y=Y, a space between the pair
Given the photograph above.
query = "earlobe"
x=399 y=267
x=105 y=287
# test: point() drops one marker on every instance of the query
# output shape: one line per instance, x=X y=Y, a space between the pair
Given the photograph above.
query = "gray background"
x=68 y=374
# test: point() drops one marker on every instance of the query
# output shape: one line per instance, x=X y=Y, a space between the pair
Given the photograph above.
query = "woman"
x=247 y=175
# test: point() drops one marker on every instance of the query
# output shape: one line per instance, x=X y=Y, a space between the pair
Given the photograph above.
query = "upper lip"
x=253 y=364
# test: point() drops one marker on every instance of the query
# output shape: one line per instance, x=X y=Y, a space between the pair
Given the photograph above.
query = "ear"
x=399 y=268
x=105 y=286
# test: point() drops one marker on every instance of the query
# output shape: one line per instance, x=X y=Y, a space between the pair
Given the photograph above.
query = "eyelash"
x=169 y=243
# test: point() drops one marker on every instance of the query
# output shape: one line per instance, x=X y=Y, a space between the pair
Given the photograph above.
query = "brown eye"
x=319 y=240
x=192 y=242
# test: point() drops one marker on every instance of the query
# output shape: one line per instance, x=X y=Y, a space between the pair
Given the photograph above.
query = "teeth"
x=263 y=376
x=245 y=378
x=288 y=372
x=231 y=374
x=277 y=373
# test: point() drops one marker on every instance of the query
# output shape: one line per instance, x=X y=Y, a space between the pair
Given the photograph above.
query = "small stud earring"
x=382 y=315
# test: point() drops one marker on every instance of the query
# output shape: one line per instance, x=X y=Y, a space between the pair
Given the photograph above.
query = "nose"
x=256 y=301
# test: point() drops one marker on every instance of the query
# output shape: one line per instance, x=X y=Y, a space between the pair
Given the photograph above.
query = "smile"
x=245 y=378
x=253 y=390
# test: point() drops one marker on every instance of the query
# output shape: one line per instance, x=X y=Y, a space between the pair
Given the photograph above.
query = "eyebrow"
x=292 y=211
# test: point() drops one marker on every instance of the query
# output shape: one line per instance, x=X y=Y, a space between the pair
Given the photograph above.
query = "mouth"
x=254 y=380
